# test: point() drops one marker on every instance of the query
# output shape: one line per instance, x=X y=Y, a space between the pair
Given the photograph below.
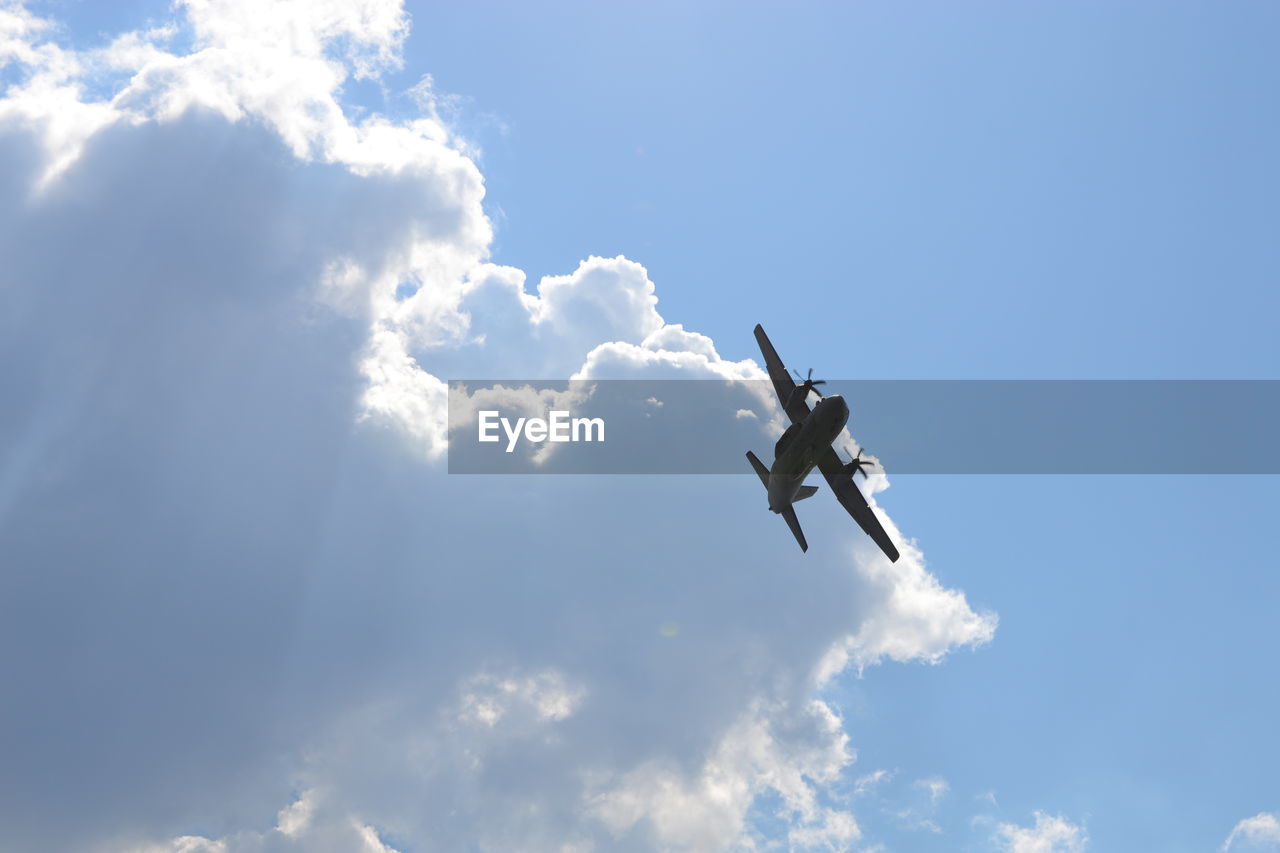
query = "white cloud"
x=871 y=781
x=488 y=699
x=1049 y=834
x=295 y=819
x=707 y=808
x=604 y=299
x=211 y=370
x=915 y=618
x=1260 y=832
x=298 y=831
x=936 y=786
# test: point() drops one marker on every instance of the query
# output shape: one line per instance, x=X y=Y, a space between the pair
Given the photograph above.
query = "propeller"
x=807 y=384
x=854 y=465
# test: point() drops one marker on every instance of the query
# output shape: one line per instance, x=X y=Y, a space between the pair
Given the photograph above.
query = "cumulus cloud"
x=705 y=808
x=1260 y=832
x=244 y=608
x=1049 y=834
x=916 y=618
x=300 y=826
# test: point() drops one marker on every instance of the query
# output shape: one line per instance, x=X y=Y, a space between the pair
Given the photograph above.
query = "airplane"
x=807 y=443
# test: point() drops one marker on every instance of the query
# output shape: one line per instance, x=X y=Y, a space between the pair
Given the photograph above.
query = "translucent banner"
x=911 y=426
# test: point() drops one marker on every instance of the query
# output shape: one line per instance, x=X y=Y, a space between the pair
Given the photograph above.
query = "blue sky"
x=281 y=596
x=1048 y=192
x=1058 y=191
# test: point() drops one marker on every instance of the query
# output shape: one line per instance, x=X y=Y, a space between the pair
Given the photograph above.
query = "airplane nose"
x=837 y=402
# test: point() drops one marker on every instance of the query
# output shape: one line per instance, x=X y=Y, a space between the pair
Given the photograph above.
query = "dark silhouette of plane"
x=807 y=443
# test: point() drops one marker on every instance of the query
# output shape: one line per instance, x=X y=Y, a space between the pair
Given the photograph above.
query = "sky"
x=243 y=607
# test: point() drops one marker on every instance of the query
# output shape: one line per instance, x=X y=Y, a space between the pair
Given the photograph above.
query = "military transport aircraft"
x=806 y=443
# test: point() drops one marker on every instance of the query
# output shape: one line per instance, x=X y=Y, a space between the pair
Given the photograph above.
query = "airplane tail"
x=789 y=513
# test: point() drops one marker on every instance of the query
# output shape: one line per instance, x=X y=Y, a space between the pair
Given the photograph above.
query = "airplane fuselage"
x=797 y=451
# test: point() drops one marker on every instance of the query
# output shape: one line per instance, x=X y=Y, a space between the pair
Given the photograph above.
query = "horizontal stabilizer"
x=794 y=523
x=805 y=492
x=762 y=471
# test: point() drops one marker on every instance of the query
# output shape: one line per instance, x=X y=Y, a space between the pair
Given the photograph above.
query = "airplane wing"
x=797 y=409
x=850 y=497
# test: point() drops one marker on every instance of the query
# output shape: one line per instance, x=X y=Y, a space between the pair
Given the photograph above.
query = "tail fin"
x=805 y=492
x=761 y=470
x=794 y=523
